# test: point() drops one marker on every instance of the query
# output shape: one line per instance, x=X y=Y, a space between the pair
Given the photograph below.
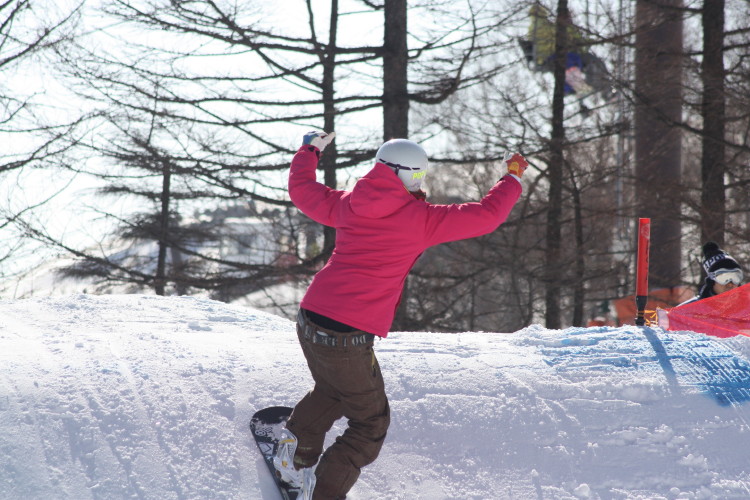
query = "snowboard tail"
x=266 y=425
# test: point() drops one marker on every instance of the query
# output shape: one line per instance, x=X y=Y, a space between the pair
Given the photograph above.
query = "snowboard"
x=266 y=425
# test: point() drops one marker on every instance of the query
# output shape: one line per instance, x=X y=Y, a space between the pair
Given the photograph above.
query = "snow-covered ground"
x=143 y=397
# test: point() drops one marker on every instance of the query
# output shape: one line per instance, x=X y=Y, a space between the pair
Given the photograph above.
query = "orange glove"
x=516 y=164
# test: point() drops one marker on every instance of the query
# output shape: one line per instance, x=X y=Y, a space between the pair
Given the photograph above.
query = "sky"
x=137 y=396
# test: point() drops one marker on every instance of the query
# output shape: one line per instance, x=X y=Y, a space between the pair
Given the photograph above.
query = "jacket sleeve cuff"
x=310 y=148
x=514 y=176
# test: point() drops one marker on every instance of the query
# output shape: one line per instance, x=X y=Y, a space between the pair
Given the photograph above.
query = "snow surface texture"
x=142 y=397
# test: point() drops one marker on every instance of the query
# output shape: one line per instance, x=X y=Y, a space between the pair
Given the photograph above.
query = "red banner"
x=724 y=315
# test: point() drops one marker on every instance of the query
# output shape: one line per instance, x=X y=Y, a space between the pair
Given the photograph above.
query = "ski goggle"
x=398 y=167
x=726 y=276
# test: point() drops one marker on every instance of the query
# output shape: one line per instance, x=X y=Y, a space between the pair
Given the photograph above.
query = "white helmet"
x=407 y=159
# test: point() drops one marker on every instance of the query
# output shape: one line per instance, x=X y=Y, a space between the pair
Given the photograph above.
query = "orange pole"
x=641 y=279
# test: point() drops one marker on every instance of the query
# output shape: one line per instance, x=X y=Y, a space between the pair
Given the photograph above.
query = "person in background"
x=723 y=273
x=382 y=227
x=602 y=315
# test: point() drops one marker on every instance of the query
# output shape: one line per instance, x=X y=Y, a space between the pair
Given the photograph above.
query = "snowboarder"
x=723 y=273
x=585 y=73
x=383 y=225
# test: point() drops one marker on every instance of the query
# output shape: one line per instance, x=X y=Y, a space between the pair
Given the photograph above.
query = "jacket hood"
x=379 y=193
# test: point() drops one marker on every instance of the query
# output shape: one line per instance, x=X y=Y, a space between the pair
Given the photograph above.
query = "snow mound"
x=134 y=396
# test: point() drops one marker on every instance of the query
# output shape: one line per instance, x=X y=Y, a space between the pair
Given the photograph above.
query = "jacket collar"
x=379 y=193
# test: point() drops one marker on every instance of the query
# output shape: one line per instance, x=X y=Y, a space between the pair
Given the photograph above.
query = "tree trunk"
x=713 y=197
x=395 y=64
x=330 y=155
x=579 y=290
x=553 y=269
x=658 y=111
x=396 y=103
x=163 y=237
x=177 y=274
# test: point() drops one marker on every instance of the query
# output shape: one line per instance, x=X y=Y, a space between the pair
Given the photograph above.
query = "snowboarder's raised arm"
x=314 y=199
x=467 y=220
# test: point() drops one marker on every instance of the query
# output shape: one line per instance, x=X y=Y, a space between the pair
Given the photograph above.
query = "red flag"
x=724 y=315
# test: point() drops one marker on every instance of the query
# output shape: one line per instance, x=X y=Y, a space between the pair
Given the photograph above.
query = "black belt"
x=330 y=338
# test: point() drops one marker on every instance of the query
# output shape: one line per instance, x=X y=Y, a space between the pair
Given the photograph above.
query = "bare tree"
x=518 y=108
x=597 y=188
x=29 y=32
x=205 y=114
x=217 y=126
x=658 y=112
x=553 y=273
x=713 y=166
x=395 y=70
x=716 y=125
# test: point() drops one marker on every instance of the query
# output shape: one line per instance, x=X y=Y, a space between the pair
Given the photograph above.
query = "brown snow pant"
x=348 y=383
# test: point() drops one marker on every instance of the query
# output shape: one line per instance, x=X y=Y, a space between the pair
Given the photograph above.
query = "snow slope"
x=142 y=397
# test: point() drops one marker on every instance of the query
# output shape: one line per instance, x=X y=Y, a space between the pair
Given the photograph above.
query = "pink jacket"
x=381 y=230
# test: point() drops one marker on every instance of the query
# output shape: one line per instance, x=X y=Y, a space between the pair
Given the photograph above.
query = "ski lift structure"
x=585 y=73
